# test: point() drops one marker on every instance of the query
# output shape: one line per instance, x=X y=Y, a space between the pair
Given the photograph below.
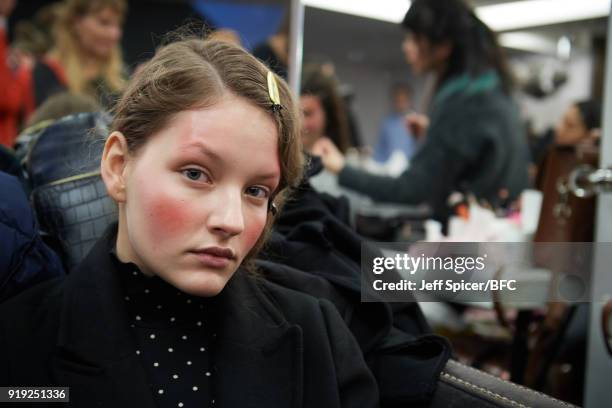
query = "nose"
x=226 y=218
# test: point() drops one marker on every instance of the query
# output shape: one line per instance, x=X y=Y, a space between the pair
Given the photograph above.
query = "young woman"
x=86 y=57
x=324 y=110
x=475 y=142
x=164 y=311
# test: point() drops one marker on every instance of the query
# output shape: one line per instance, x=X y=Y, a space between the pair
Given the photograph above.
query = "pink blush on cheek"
x=168 y=216
x=252 y=232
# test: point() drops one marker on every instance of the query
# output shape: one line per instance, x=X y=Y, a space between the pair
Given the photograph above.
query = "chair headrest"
x=73 y=145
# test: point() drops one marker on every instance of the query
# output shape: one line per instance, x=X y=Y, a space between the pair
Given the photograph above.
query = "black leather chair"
x=464 y=386
x=68 y=195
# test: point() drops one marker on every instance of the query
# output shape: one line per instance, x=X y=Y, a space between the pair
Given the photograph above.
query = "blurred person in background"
x=63 y=104
x=226 y=35
x=564 y=217
x=33 y=38
x=13 y=79
x=581 y=124
x=274 y=52
x=323 y=109
x=325 y=115
x=85 y=59
x=394 y=132
x=474 y=142
x=86 y=56
x=55 y=107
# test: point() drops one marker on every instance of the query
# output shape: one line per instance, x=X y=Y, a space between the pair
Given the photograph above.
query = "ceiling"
x=350 y=39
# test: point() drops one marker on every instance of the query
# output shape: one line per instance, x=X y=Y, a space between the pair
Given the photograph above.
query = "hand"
x=417 y=124
x=6 y=7
x=331 y=157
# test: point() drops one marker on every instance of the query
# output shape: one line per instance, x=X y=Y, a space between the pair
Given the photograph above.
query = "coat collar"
x=96 y=352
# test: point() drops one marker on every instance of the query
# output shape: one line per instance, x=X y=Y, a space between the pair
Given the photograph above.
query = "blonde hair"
x=195 y=73
x=67 y=48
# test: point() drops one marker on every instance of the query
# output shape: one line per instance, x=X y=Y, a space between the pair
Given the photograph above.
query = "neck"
x=125 y=252
x=91 y=66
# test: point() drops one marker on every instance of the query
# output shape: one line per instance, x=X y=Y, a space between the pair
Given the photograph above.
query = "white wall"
x=372 y=101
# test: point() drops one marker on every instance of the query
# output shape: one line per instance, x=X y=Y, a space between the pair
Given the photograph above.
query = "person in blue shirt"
x=394 y=133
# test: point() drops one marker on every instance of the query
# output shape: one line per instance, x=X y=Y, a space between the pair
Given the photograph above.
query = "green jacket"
x=475 y=144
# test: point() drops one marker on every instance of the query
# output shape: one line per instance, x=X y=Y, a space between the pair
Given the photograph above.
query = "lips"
x=215 y=257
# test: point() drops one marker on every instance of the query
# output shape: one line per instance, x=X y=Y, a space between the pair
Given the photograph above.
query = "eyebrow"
x=204 y=150
x=219 y=159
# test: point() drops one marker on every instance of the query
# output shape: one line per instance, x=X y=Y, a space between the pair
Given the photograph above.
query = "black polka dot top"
x=174 y=332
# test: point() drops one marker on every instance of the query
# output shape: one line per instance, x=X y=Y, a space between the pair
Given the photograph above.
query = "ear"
x=595 y=134
x=113 y=166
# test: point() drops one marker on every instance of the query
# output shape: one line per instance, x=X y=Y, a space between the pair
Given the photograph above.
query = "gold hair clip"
x=273 y=92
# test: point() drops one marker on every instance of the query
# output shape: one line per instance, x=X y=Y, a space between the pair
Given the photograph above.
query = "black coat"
x=277 y=347
x=25 y=260
x=314 y=250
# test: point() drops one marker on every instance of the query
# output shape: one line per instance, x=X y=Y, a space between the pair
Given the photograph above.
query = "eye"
x=195 y=175
x=258 y=192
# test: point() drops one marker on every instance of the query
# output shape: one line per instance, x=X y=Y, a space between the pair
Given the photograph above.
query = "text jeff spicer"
x=448 y=285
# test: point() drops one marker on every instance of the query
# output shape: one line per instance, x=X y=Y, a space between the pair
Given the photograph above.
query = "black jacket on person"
x=276 y=347
x=314 y=250
x=475 y=144
x=25 y=260
x=49 y=78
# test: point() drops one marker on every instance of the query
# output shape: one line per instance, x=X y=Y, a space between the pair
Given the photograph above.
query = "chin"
x=201 y=283
x=104 y=54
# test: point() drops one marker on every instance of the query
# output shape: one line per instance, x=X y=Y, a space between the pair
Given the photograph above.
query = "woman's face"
x=314 y=120
x=196 y=195
x=422 y=55
x=571 y=129
x=99 y=32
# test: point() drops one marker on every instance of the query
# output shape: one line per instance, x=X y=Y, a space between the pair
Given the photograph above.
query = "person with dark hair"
x=581 y=123
x=474 y=140
x=577 y=132
x=323 y=109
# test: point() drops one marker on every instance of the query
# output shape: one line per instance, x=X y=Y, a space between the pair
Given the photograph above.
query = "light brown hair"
x=195 y=73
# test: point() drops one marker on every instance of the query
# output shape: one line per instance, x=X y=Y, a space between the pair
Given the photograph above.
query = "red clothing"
x=15 y=99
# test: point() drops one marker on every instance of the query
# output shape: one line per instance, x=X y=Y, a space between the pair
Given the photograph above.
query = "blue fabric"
x=24 y=259
x=394 y=135
x=254 y=22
